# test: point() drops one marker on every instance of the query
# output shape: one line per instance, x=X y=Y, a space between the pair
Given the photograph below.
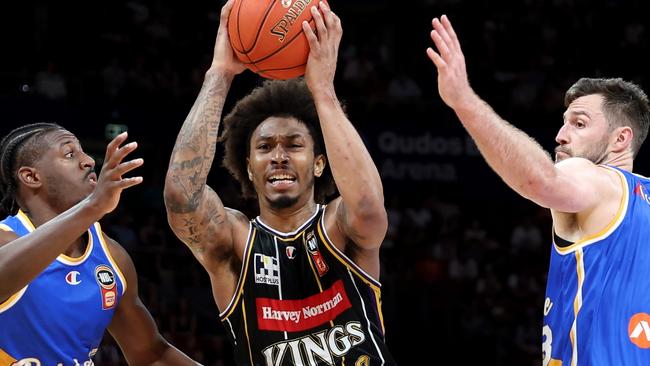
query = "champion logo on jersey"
x=312 y=248
x=267 y=270
x=106 y=281
x=640 y=191
x=639 y=330
x=72 y=278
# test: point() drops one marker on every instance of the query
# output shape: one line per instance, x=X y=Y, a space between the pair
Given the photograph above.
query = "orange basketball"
x=267 y=36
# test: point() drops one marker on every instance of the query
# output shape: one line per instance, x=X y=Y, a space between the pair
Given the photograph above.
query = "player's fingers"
x=311 y=36
x=320 y=23
x=119 y=155
x=437 y=60
x=450 y=30
x=129 y=182
x=225 y=11
x=442 y=32
x=328 y=15
x=114 y=144
x=127 y=166
x=441 y=45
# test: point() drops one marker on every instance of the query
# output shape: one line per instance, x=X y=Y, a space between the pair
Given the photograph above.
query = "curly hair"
x=20 y=147
x=624 y=104
x=275 y=98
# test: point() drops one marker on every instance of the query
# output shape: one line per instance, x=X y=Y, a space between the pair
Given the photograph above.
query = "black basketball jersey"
x=301 y=301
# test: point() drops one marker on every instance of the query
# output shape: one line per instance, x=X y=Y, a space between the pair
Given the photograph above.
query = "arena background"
x=464 y=262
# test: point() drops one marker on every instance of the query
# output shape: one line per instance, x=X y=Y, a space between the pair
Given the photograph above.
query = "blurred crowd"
x=463 y=272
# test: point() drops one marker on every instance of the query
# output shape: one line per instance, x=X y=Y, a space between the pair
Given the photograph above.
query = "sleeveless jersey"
x=300 y=301
x=59 y=318
x=597 y=303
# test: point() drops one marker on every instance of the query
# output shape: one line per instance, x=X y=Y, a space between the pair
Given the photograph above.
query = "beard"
x=283 y=202
x=596 y=153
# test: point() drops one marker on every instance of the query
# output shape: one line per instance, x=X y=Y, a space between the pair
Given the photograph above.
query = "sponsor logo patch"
x=300 y=315
x=312 y=247
x=267 y=270
x=106 y=281
x=639 y=330
x=291 y=252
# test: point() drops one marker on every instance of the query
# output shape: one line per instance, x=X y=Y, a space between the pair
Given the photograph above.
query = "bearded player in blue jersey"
x=63 y=282
x=598 y=293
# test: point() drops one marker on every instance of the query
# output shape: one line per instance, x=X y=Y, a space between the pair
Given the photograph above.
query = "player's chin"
x=282 y=201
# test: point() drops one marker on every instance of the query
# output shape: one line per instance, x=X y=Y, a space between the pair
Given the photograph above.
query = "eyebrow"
x=579 y=112
x=290 y=136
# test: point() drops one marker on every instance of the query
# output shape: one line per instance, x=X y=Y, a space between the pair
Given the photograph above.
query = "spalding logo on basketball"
x=267 y=36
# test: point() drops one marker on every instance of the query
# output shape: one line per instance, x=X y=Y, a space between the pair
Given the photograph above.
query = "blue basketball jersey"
x=60 y=317
x=597 y=303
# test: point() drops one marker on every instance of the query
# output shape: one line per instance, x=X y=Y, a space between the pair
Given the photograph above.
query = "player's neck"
x=40 y=214
x=288 y=219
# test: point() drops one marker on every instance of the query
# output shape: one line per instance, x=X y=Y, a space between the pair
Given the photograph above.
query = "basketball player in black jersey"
x=298 y=284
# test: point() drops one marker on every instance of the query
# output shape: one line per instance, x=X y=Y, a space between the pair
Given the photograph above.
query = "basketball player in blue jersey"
x=63 y=282
x=597 y=303
x=298 y=285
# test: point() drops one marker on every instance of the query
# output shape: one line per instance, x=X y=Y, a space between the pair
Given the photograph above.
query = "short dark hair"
x=22 y=146
x=275 y=98
x=624 y=104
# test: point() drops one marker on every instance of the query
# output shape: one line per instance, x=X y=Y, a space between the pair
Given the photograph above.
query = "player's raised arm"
x=192 y=206
x=361 y=215
x=518 y=159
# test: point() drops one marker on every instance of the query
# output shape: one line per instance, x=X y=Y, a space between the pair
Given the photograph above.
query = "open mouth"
x=281 y=180
x=92 y=178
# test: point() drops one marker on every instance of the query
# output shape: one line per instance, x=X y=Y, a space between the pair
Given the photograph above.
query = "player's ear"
x=248 y=169
x=624 y=137
x=29 y=176
x=319 y=165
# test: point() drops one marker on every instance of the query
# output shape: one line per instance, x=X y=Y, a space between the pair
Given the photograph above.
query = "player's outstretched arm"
x=133 y=327
x=360 y=213
x=192 y=207
x=22 y=259
x=518 y=159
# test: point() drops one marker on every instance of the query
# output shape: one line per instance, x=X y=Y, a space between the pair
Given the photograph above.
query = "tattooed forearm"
x=195 y=146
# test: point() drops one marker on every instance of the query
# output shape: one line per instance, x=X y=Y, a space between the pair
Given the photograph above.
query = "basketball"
x=267 y=36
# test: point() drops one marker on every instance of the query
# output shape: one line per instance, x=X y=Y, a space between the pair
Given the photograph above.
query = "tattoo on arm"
x=196 y=144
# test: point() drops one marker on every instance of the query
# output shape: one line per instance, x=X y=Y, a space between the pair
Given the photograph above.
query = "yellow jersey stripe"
x=242 y=277
x=5 y=359
x=13 y=299
x=100 y=235
x=618 y=218
x=248 y=340
x=5 y=227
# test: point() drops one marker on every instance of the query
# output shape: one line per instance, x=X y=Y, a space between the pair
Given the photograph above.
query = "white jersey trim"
x=258 y=219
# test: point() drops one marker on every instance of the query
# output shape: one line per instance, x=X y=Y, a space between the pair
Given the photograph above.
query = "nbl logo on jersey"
x=106 y=281
x=312 y=247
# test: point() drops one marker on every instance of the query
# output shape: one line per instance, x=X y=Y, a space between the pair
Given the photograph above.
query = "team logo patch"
x=639 y=330
x=302 y=314
x=312 y=247
x=72 y=278
x=106 y=281
x=291 y=252
x=267 y=270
